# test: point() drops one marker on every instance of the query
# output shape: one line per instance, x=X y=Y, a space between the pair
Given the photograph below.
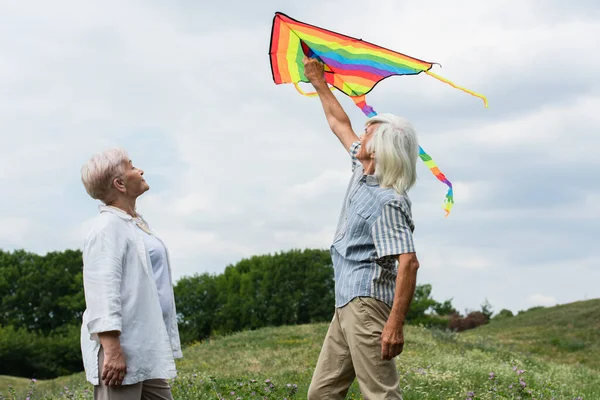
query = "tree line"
x=42 y=302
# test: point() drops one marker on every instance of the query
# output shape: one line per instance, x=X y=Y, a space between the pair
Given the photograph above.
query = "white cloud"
x=14 y=230
x=319 y=239
x=541 y=300
x=318 y=186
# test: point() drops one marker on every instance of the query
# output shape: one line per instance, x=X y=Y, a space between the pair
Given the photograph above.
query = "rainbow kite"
x=352 y=66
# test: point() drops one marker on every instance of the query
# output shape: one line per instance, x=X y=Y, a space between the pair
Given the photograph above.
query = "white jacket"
x=120 y=295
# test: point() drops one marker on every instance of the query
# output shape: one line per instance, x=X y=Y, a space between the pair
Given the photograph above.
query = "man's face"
x=365 y=139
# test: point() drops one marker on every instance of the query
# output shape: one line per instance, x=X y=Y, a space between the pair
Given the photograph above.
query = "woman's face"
x=133 y=180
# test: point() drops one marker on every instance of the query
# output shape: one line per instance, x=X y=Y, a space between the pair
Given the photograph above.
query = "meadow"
x=549 y=353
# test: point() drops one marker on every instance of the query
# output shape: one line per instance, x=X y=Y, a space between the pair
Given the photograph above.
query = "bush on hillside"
x=534 y=308
x=32 y=355
x=503 y=314
x=431 y=321
x=471 y=321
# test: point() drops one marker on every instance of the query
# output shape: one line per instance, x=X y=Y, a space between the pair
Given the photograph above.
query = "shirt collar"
x=370 y=180
x=118 y=212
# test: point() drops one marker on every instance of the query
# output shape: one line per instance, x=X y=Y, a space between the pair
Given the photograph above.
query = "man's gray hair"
x=396 y=149
x=98 y=174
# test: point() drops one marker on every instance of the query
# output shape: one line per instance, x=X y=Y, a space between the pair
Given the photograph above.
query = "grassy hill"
x=568 y=333
x=278 y=362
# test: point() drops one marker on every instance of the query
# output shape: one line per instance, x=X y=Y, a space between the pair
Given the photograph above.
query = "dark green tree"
x=421 y=303
x=445 y=308
x=287 y=288
x=41 y=293
x=196 y=302
x=41 y=304
x=487 y=309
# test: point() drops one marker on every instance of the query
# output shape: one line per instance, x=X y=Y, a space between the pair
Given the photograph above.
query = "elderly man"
x=373 y=254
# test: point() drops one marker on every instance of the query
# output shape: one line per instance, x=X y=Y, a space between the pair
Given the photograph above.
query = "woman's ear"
x=119 y=184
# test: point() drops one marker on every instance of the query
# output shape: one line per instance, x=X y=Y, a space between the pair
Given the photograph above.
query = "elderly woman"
x=129 y=335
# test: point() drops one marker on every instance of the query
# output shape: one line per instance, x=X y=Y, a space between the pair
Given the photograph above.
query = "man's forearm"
x=406 y=281
x=335 y=114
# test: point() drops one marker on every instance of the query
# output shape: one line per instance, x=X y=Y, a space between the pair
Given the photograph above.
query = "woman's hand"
x=114 y=367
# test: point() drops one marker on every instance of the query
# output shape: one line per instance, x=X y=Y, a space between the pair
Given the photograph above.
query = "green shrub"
x=503 y=314
x=32 y=355
x=430 y=321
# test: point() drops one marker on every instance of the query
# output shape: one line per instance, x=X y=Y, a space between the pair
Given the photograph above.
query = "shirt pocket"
x=362 y=222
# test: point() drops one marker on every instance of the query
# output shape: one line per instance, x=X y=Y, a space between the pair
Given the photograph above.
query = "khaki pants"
x=151 y=389
x=352 y=348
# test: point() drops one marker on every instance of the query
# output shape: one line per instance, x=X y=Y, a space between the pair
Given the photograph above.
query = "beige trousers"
x=352 y=349
x=151 y=389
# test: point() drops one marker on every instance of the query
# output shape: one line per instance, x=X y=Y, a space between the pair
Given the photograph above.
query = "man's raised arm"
x=336 y=116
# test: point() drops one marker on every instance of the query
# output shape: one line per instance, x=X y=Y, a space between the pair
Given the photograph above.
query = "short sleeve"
x=354 y=148
x=393 y=231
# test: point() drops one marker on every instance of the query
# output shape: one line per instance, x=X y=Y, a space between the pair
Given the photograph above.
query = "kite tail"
x=426 y=158
x=485 y=102
x=361 y=103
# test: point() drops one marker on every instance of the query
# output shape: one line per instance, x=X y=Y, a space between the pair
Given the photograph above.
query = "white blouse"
x=121 y=295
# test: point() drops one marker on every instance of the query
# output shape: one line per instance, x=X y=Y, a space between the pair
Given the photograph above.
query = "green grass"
x=20 y=384
x=434 y=365
x=568 y=333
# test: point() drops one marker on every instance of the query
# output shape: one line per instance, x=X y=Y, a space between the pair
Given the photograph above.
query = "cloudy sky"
x=240 y=166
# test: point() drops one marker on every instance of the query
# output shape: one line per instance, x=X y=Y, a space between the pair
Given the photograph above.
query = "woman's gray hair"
x=98 y=174
x=396 y=148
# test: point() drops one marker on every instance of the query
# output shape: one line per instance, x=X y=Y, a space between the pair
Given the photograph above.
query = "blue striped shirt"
x=375 y=226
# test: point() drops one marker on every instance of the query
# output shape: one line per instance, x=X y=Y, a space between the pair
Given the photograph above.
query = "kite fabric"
x=352 y=66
